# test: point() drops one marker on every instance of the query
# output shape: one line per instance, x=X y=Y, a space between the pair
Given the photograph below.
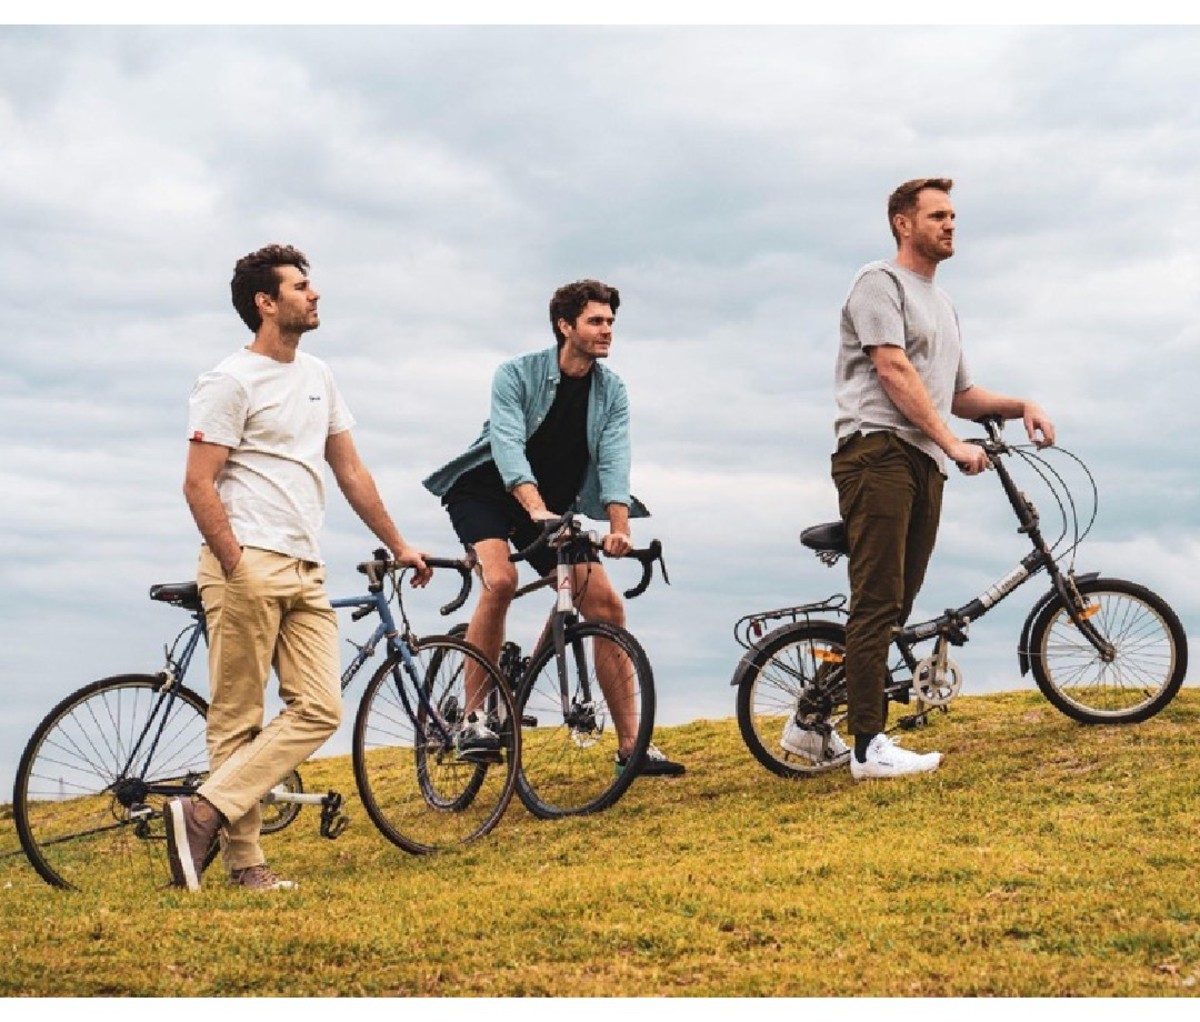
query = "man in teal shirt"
x=556 y=440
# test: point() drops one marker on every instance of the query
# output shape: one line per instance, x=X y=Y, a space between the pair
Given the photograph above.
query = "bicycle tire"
x=419 y=794
x=83 y=823
x=568 y=761
x=1150 y=659
x=796 y=666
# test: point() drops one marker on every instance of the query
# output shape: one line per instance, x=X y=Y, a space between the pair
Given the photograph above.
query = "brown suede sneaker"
x=260 y=878
x=192 y=825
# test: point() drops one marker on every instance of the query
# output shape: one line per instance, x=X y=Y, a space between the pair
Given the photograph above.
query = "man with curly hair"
x=262 y=427
x=557 y=440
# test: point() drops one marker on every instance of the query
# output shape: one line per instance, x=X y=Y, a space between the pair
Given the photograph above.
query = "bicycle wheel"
x=795 y=673
x=416 y=788
x=570 y=738
x=1147 y=666
x=92 y=781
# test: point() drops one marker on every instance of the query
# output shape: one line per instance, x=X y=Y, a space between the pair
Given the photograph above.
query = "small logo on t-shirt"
x=314 y=397
x=198 y=435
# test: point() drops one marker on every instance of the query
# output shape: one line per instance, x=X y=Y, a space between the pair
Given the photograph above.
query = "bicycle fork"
x=578 y=713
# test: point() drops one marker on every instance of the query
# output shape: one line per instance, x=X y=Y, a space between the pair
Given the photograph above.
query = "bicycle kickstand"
x=333 y=820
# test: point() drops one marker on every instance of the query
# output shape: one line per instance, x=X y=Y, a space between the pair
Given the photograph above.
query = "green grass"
x=1044 y=859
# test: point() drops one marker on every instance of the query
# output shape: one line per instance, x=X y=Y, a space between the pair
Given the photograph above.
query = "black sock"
x=860 y=746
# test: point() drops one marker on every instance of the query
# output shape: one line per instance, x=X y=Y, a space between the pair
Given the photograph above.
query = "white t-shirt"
x=275 y=418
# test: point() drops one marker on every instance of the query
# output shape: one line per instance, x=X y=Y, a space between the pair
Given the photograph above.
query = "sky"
x=444 y=180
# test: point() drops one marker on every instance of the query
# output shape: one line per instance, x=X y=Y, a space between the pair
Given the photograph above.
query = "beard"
x=300 y=323
x=935 y=251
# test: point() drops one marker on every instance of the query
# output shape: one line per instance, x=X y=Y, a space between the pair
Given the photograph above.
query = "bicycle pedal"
x=333 y=821
x=334 y=827
x=912 y=721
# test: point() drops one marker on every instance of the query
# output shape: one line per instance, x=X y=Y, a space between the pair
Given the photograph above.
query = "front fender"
x=1043 y=602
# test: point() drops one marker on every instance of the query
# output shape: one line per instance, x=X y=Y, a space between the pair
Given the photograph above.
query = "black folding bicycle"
x=1101 y=650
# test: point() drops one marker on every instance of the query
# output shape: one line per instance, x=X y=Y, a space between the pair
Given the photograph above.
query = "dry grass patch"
x=1044 y=859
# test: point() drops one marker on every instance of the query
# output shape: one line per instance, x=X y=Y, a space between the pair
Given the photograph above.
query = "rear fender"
x=747 y=660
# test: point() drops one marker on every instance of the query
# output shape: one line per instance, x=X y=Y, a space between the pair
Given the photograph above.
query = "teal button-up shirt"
x=523 y=390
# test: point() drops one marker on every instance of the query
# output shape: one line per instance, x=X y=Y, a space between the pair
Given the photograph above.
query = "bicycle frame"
x=129 y=788
x=375 y=602
x=561 y=534
x=952 y=624
x=175 y=670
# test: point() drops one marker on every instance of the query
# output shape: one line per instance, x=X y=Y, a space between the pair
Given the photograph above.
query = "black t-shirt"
x=557 y=452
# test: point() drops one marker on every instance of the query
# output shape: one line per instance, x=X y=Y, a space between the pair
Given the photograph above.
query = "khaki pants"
x=271 y=612
x=890 y=497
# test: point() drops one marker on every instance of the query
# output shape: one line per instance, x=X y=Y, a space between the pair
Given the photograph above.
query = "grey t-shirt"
x=888 y=304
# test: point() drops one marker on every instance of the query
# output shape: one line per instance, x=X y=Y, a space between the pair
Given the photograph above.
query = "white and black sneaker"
x=885 y=758
x=654 y=764
x=475 y=741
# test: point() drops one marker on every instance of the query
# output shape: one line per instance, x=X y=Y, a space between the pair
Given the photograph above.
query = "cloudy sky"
x=444 y=180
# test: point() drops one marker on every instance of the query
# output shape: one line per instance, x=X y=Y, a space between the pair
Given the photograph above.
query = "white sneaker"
x=885 y=758
x=811 y=745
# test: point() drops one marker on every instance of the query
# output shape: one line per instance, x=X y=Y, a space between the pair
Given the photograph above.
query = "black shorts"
x=476 y=518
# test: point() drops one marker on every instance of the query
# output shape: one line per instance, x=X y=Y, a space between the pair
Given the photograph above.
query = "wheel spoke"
x=572 y=739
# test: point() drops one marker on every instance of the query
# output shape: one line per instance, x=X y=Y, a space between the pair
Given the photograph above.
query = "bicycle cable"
x=1043 y=470
x=1070 y=522
x=397 y=598
x=169 y=651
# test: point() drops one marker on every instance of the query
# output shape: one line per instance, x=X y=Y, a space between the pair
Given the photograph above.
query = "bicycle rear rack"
x=749 y=629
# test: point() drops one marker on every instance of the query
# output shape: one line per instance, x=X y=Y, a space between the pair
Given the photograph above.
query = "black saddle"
x=829 y=537
x=178 y=594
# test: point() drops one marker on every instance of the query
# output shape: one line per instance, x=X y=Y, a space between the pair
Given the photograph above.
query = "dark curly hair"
x=258 y=272
x=570 y=300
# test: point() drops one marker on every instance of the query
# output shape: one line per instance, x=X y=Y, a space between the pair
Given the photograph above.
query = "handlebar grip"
x=463 y=566
x=549 y=526
x=375 y=569
x=647 y=557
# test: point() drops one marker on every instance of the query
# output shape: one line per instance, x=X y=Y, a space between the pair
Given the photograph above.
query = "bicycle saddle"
x=829 y=536
x=178 y=594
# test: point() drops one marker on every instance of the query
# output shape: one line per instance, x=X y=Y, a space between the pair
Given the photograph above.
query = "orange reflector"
x=828 y=656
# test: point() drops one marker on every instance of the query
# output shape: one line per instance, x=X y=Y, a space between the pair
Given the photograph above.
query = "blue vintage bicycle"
x=93 y=779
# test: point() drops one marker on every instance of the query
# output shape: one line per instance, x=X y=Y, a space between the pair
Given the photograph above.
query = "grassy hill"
x=1044 y=859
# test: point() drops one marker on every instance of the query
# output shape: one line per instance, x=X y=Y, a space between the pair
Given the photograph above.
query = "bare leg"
x=486 y=628
x=597 y=600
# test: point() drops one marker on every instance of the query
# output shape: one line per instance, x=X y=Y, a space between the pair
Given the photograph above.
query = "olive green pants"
x=271 y=612
x=890 y=498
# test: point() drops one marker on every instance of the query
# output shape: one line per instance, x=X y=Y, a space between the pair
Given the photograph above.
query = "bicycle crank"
x=937 y=680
